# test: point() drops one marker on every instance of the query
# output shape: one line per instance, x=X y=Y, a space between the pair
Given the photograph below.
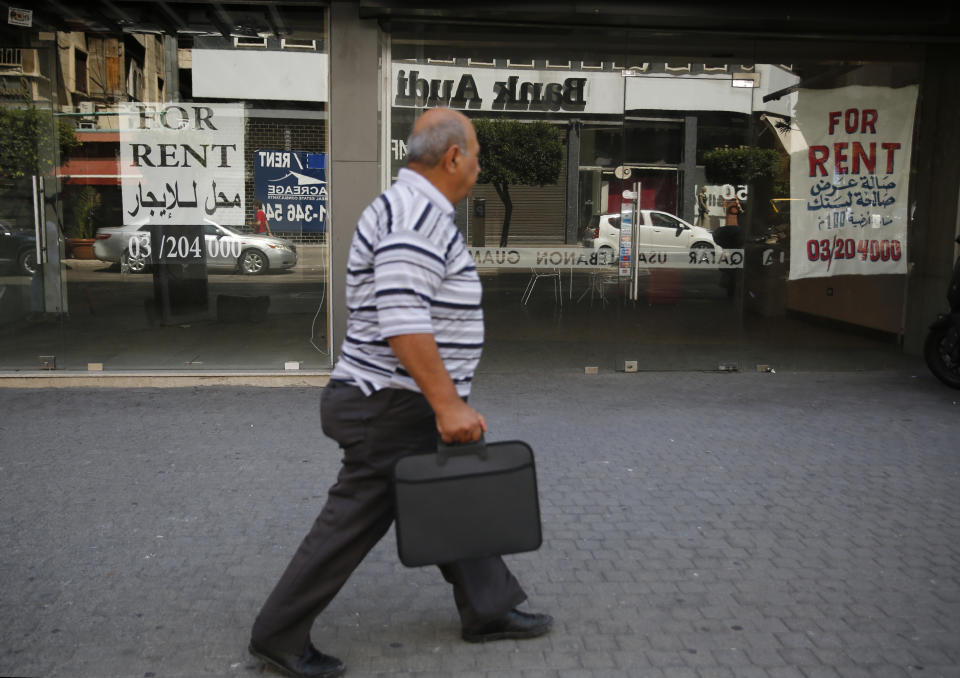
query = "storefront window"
x=682 y=228
x=165 y=203
x=191 y=217
x=653 y=141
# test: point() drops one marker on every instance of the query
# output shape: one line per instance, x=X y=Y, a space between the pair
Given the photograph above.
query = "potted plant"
x=80 y=232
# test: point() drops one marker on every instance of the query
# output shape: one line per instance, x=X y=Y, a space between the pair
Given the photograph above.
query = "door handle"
x=37 y=209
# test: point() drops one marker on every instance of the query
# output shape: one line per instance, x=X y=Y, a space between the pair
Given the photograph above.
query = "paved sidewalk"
x=696 y=525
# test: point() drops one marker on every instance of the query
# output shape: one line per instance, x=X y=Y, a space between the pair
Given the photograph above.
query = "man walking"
x=414 y=337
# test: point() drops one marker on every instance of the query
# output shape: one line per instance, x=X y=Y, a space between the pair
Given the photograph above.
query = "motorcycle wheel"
x=941 y=351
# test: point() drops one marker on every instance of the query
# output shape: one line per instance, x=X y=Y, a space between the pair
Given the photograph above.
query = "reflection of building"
x=21 y=77
x=639 y=93
x=97 y=72
x=652 y=121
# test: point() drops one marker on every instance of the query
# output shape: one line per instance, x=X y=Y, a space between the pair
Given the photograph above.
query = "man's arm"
x=457 y=422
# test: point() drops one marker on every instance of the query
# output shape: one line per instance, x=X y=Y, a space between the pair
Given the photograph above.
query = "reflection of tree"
x=26 y=142
x=742 y=165
x=518 y=153
x=32 y=143
x=764 y=170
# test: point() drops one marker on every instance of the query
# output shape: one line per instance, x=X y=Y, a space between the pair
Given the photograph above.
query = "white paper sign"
x=182 y=163
x=20 y=17
x=851 y=177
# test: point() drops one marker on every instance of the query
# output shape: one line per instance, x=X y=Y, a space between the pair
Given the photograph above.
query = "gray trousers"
x=374 y=432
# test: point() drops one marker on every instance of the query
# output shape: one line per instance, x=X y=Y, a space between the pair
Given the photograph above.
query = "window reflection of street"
x=311 y=265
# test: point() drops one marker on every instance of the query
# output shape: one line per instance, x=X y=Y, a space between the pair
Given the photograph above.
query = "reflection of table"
x=607 y=263
x=598 y=280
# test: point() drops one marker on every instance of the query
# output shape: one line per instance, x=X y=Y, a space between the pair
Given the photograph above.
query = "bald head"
x=433 y=133
x=443 y=148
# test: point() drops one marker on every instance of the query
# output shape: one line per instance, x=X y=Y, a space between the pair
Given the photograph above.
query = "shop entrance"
x=33 y=245
x=662 y=238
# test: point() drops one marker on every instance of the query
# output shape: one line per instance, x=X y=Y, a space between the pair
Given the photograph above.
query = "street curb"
x=160 y=379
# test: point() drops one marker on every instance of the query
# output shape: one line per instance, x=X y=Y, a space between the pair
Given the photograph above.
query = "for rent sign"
x=292 y=185
x=852 y=176
x=182 y=163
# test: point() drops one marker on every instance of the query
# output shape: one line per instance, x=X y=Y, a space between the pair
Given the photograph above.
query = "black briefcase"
x=466 y=501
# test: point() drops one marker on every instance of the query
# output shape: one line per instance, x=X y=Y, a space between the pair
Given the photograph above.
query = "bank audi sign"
x=496 y=89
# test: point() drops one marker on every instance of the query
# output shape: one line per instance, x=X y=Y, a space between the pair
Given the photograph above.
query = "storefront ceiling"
x=914 y=23
x=242 y=18
x=756 y=31
x=929 y=21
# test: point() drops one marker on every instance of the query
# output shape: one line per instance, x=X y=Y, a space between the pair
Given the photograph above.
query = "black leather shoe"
x=312 y=664
x=514 y=624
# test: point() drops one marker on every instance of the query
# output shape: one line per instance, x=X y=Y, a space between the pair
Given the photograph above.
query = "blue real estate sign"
x=292 y=185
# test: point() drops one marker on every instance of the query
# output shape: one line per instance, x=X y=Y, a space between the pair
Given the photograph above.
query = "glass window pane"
x=689 y=154
x=194 y=207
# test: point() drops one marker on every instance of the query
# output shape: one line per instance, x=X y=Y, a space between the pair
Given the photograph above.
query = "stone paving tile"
x=745 y=525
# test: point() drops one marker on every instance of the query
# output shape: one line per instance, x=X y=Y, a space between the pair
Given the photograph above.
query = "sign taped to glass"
x=852 y=175
x=20 y=17
x=292 y=185
x=182 y=163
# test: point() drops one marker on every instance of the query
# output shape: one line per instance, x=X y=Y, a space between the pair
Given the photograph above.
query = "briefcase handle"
x=447 y=450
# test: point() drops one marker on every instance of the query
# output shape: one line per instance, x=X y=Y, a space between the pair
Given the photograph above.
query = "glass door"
x=32 y=244
x=157 y=213
x=688 y=216
x=680 y=300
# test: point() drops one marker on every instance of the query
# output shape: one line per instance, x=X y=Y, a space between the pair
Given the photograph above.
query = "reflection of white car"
x=655 y=230
x=223 y=249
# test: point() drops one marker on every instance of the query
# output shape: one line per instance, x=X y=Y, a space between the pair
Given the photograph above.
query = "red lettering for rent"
x=854 y=120
x=818 y=156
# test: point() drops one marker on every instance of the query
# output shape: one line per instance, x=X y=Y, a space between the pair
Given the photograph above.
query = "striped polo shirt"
x=409 y=272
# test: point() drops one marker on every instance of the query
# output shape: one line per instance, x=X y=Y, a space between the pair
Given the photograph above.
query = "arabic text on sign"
x=170 y=198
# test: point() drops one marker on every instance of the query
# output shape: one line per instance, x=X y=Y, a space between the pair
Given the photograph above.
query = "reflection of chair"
x=535 y=275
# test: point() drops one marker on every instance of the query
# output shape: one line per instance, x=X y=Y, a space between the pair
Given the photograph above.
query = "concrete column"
x=930 y=248
x=688 y=170
x=354 y=177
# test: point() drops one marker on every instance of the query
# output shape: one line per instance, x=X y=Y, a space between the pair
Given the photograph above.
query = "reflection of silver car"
x=249 y=253
x=112 y=244
x=223 y=249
